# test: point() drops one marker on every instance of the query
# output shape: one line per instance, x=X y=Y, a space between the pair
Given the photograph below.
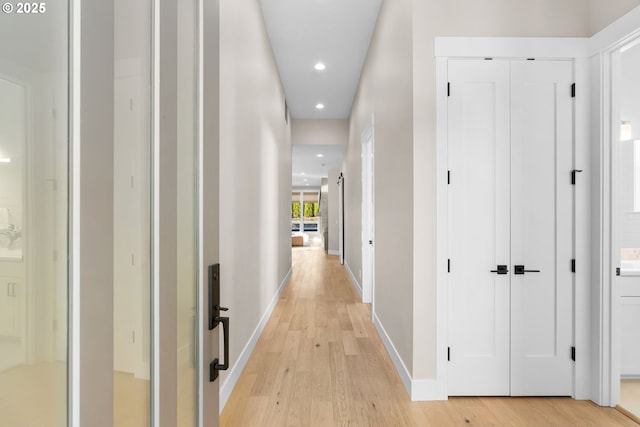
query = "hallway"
x=320 y=362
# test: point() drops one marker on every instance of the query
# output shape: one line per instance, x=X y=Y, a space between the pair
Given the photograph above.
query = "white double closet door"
x=510 y=130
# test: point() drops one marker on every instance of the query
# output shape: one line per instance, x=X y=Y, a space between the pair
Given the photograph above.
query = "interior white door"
x=541 y=228
x=510 y=227
x=368 y=243
x=478 y=227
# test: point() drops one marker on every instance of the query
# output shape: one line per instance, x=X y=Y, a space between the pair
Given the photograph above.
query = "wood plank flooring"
x=320 y=362
x=630 y=398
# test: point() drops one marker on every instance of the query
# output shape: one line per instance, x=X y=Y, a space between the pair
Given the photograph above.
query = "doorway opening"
x=626 y=217
x=368 y=214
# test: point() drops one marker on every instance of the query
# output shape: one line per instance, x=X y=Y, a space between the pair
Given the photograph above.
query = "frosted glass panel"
x=33 y=214
x=187 y=216
x=132 y=214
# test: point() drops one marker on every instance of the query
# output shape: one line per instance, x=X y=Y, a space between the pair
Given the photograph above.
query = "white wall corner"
x=236 y=370
x=334 y=252
x=353 y=279
x=418 y=390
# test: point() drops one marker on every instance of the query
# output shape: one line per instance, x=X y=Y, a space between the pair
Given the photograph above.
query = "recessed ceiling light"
x=305 y=180
x=320 y=66
x=319 y=106
x=5 y=160
x=306 y=184
x=302 y=173
x=319 y=155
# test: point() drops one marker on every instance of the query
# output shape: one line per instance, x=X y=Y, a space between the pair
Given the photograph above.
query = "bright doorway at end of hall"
x=306 y=221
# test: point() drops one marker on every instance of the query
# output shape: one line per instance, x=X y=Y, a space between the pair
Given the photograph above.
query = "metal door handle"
x=502 y=269
x=519 y=269
x=215 y=366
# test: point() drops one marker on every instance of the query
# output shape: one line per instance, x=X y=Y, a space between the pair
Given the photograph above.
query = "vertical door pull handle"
x=215 y=366
x=502 y=269
x=519 y=269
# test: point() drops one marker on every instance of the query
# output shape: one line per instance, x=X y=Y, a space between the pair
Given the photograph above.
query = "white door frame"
x=208 y=110
x=606 y=47
x=576 y=49
x=368 y=214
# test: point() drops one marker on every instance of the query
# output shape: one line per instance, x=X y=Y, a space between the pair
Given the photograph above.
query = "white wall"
x=460 y=18
x=386 y=91
x=255 y=173
x=604 y=12
x=397 y=86
x=319 y=131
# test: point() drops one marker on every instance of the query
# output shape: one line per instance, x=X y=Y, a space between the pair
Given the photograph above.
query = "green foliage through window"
x=310 y=209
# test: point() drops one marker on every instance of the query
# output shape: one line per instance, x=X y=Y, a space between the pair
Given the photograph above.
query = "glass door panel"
x=187 y=327
x=132 y=214
x=33 y=214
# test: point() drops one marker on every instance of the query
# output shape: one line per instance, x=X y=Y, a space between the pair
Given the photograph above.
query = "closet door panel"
x=478 y=227
x=541 y=224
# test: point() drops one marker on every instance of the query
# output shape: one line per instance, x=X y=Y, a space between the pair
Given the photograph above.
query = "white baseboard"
x=418 y=389
x=334 y=252
x=353 y=279
x=234 y=372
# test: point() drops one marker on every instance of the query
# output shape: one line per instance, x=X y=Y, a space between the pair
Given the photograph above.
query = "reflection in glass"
x=33 y=217
x=187 y=216
x=132 y=213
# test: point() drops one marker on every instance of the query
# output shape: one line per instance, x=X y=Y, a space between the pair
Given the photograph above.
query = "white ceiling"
x=335 y=32
x=307 y=166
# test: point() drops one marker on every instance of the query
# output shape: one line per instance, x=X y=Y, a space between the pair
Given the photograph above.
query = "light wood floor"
x=630 y=397
x=34 y=396
x=320 y=362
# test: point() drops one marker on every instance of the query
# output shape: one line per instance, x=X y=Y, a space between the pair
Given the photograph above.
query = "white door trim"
x=548 y=48
x=606 y=47
x=606 y=367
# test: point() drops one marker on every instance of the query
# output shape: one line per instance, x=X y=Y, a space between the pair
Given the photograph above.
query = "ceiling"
x=309 y=169
x=334 y=32
x=303 y=33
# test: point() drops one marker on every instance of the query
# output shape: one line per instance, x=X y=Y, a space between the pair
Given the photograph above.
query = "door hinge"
x=448 y=177
x=573 y=90
x=449 y=266
x=449 y=354
x=573 y=354
x=573 y=175
x=448 y=89
x=573 y=265
x=617 y=271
